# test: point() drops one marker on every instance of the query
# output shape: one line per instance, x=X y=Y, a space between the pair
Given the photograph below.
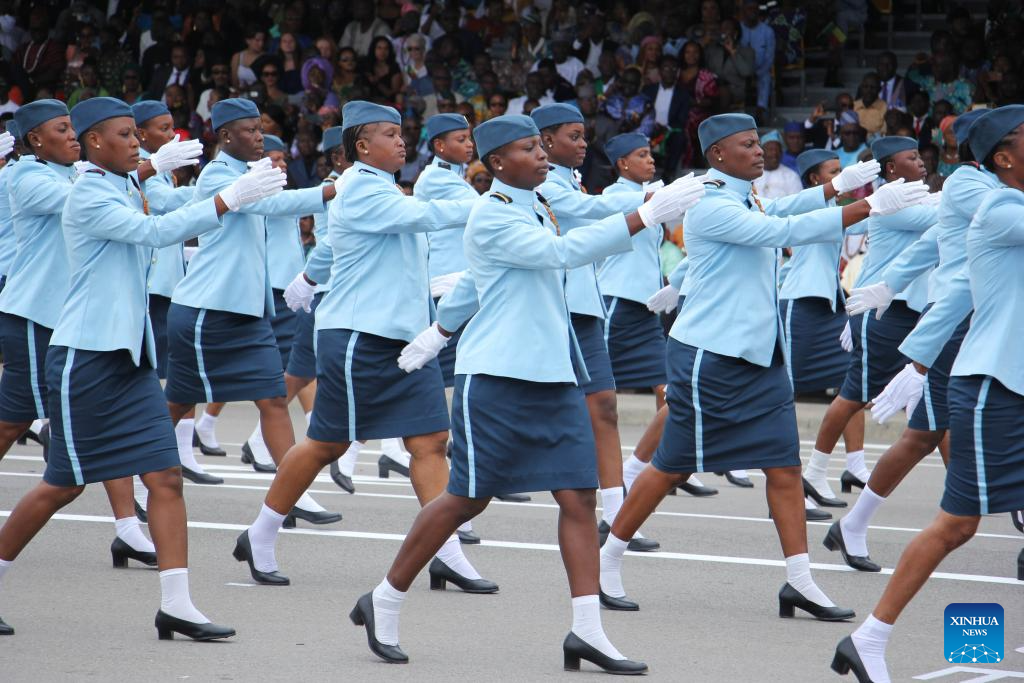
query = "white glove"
x=80 y=167
x=299 y=293
x=902 y=393
x=664 y=300
x=6 y=143
x=846 y=338
x=933 y=199
x=262 y=180
x=443 y=284
x=864 y=299
x=176 y=154
x=423 y=349
x=858 y=175
x=897 y=195
x=653 y=186
x=671 y=201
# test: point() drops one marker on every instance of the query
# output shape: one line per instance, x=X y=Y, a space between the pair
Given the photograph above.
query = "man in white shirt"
x=363 y=28
x=777 y=180
x=567 y=66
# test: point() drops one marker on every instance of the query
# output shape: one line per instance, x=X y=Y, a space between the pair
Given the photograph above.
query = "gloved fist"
x=858 y=175
x=176 y=154
x=671 y=201
x=664 y=300
x=261 y=181
x=864 y=299
x=443 y=284
x=846 y=338
x=897 y=195
x=423 y=349
x=902 y=393
x=299 y=292
x=6 y=143
x=933 y=199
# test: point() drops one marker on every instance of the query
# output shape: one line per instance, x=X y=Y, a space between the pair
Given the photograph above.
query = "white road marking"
x=987 y=674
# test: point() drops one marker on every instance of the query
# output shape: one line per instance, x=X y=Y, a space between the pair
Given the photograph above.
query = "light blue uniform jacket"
x=229 y=272
x=285 y=257
x=318 y=265
x=37 y=281
x=635 y=275
x=442 y=180
x=8 y=242
x=888 y=237
x=164 y=197
x=110 y=243
x=575 y=209
x=677 y=278
x=732 y=304
x=379 y=282
x=813 y=271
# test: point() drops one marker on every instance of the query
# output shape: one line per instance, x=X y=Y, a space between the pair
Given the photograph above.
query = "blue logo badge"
x=974 y=633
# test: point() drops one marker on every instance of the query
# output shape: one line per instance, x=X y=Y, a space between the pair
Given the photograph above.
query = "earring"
x=96 y=146
x=500 y=168
x=39 y=144
x=625 y=168
x=719 y=158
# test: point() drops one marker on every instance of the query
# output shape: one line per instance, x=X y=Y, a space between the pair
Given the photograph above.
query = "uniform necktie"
x=551 y=214
x=145 y=202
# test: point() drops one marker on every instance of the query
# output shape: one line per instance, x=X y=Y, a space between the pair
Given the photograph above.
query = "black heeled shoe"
x=44 y=441
x=1020 y=566
x=121 y=552
x=386 y=465
x=243 y=553
x=575 y=648
x=698 y=491
x=203 y=448
x=742 y=482
x=846 y=660
x=440 y=574
x=6 y=629
x=514 y=498
x=468 y=537
x=790 y=598
x=849 y=481
x=834 y=541
x=817 y=515
x=249 y=459
x=809 y=490
x=362 y=615
x=637 y=544
x=200 y=477
x=167 y=626
x=28 y=435
x=343 y=481
x=140 y=512
x=618 y=604
x=322 y=517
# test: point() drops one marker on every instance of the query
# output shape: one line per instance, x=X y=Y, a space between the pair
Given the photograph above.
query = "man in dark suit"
x=895 y=90
x=671 y=109
x=178 y=72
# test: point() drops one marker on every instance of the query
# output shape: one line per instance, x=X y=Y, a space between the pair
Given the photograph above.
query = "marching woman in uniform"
x=8 y=242
x=220 y=335
x=875 y=358
x=730 y=400
x=110 y=419
x=379 y=298
x=520 y=420
x=962 y=194
x=985 y=474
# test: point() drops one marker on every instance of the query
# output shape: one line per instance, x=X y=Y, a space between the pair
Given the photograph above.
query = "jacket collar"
x=233 y=163
x=564 y=174
x=360 y=167
x=740 y=188
x=518 y=196
x=457 y=169
x=629 y=184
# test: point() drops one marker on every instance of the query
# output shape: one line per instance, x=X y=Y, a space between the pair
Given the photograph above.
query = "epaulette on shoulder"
x=503 y=198
x=713 y=182
x=40 y=161
x=445 y=165
x=97 y=171
x=367 y=171
x=218 y=161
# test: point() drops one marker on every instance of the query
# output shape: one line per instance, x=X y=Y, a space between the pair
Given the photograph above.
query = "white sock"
x=870 y=640
x=817 y=471
x=387 y=605
x=206 y=425
x=611 y=502
x=258 y=446
x=466 y=526
x=739 y=474
x=798 y=574
x=263 y=536
x=611 y=566
x=586 y=623
x=347 y=462
x=393 y=449
x=307 y=503
x=5 y=566
x=695 y=481
x=631 y=469
x=855 y=524
x=141 y=492
x=809 y=504
x=183 y=432
x=174 y=598
x=37 y=425
x=129 y=531
x=451 y=554
x=309 y=417
x=855 y=464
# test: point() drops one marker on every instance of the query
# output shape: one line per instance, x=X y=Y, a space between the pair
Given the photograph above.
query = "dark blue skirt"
x=636 y=344
x=283 y=323
x=447 y=356
x=932 y=411
x=110 y=418
x=302 y=360
x=816 y=359
x=590 y=336
x=986 y=450
x=220 y=356
x=726 y=414
x=876 y=356
x=361 y=393
x=513 y=436
x=23 y=382
x=158 y=307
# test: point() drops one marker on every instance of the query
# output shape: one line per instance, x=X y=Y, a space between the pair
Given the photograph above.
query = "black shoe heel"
x=1020 y=566
x=140 y=512
x=834 y=541
x=790 y=598
x=200 y=477
x=514 y=498
x=362 y=615
x=121 y=552
x=575 y=649
x=386 y=465
x=324 y=517
x=203 y=448
x=850 y=481
x=468 y=537
x=846 y=659
x=167 y=626
x=441 y=574
x=249 y=459
x=618 y=604
x=6 y=629
x=809 y=490
x=243 y=553
x=698 y=491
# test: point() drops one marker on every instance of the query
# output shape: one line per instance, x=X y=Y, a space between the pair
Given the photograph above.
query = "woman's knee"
x=167 y=481
x=955 y=530
x=604 y=407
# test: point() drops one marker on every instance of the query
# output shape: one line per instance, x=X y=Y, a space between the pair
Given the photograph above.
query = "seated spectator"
x=945 y=83
x=481 y=101
x=178 y=72
x=733 y=63
x=364 y=27
x=930 y=157
x=794 y=143
x=896 y=119
x=290 y=63
x=869 y=107
x=671 y=113
x=7 y=105
x=788 y=21
x=242 y=75
x=478 y=176
x=592 y=39
x=648 y=60
x=269 y=71
x=302 y=170
x=316 y=74
x=761 y=38
x=821 y=126
x=417 y=154
x=382 y=72
x=708 y=29
x=777 y=180
x=940 y=110
x=441 y=81
x=607 y=72
x=275 y=122
x=497 y=105
x=131 y=86
x=88 y=85
x=895 y=89
x=675 y=34
x=346 y=76
x=40 y=59
x=921 y=121
x=702 y=86
x=851 y=139
x=219 y=77
x=949 y=156
x=628 y=107
x=113 y=60
x=555 y=87
x=415 y=58
x=447 y=49
x=186 y=122
x=989 y=80
x=83 y=47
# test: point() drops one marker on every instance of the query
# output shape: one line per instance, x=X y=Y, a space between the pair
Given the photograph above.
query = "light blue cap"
x=232 y=109
x=332 y=138
x=771 y=136
x=621 y=145
x=501 y=130
x=272 y=143
x=987 y=131
x=555 y=115
x=12 y=128
x=88 y=113
x=35 y=114
x=148 y=109
x=962 y=125
x=883 y=148
x=719 y=127
x=360 y=113
x=439 y=124
x=807 y=161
